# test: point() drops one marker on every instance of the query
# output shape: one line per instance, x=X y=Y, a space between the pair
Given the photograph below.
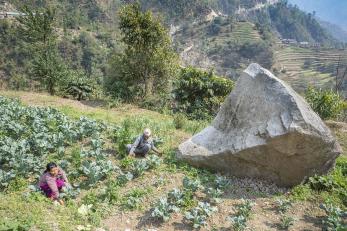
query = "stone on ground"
x=264 y=130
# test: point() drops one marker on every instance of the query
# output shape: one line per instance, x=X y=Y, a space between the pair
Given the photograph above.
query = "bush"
x=327 y=104
x=322 y=183
x=199 y=94
x=79 y=87
x=180 y=121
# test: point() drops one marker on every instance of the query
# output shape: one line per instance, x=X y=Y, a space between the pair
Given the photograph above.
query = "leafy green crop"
x=139 y=167
x=244 y=210
x=286 y=222
x=334 y=217
x=133 y=200
x=192 y=185
x=97 y=170
x=284 y=205
x=153 y=161
x=30 y=134
x=198 y=215
x=222 y=182
x=163 y=209
x=214 y=194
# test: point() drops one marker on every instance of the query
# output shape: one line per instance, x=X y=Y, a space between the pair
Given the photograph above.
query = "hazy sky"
x=334 y=11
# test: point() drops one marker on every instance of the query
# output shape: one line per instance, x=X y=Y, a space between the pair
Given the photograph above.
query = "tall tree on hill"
x=148 y=63
x=37 y=29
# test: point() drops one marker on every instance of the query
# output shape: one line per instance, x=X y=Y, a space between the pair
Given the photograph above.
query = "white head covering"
x=147 y=132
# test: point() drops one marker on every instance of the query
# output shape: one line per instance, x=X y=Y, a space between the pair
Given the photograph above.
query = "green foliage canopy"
x=199 y=94
x=327 y=104
x=37 y=29
x=148 y=63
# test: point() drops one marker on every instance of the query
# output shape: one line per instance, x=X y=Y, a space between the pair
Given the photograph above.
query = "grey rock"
x=264 y=130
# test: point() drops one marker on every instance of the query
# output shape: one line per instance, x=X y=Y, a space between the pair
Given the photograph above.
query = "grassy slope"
x=307 y=214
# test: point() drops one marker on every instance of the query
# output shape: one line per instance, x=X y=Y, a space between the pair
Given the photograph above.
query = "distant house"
x=304 y=44
x=289 y=41
x=316 y=45
x=10 y=14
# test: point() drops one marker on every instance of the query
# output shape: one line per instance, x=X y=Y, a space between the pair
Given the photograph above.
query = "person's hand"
x=132 y=154
x=61 y=202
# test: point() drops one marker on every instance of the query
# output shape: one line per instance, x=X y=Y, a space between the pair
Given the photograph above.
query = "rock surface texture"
x=264 y=130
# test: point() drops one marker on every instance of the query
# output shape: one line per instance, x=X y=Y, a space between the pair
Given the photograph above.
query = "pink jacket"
x=51 y=181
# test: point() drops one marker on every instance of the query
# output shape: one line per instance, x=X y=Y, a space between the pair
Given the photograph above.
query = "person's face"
x=146 y=136
x=54 y=171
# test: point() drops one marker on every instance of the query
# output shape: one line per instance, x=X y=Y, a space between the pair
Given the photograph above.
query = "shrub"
x=327 y=104
x=180 y=121
x=79 y=87
x=301 y=192
x=322 y=183
x=199 y=94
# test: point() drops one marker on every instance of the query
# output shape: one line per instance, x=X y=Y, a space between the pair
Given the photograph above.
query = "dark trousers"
x=142 y=151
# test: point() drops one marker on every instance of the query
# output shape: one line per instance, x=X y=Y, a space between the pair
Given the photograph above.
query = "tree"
x=37 y=29
x=148 y=63
x=199 y=94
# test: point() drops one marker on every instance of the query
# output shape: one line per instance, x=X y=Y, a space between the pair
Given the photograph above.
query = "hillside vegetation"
x=115 y=202
x=89 y=34
x=113 y=68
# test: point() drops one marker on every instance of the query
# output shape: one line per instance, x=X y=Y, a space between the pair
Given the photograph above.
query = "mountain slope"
x=223 y=35
x=333 y=11
x=336 y=31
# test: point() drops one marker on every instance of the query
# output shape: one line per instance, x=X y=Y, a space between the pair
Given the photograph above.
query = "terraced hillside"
x=241 y=32
x=217 y=44
x=302 y=67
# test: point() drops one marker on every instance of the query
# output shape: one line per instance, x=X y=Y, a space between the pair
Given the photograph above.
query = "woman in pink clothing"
x=52 y=182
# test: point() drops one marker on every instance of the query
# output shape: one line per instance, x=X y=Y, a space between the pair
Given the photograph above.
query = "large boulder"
x=264 y=130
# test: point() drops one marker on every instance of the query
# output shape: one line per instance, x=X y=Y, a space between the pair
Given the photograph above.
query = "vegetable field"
x=113 y=192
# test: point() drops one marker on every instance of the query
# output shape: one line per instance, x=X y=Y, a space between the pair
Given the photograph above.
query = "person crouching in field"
x=52 y=182
x=143 y=145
